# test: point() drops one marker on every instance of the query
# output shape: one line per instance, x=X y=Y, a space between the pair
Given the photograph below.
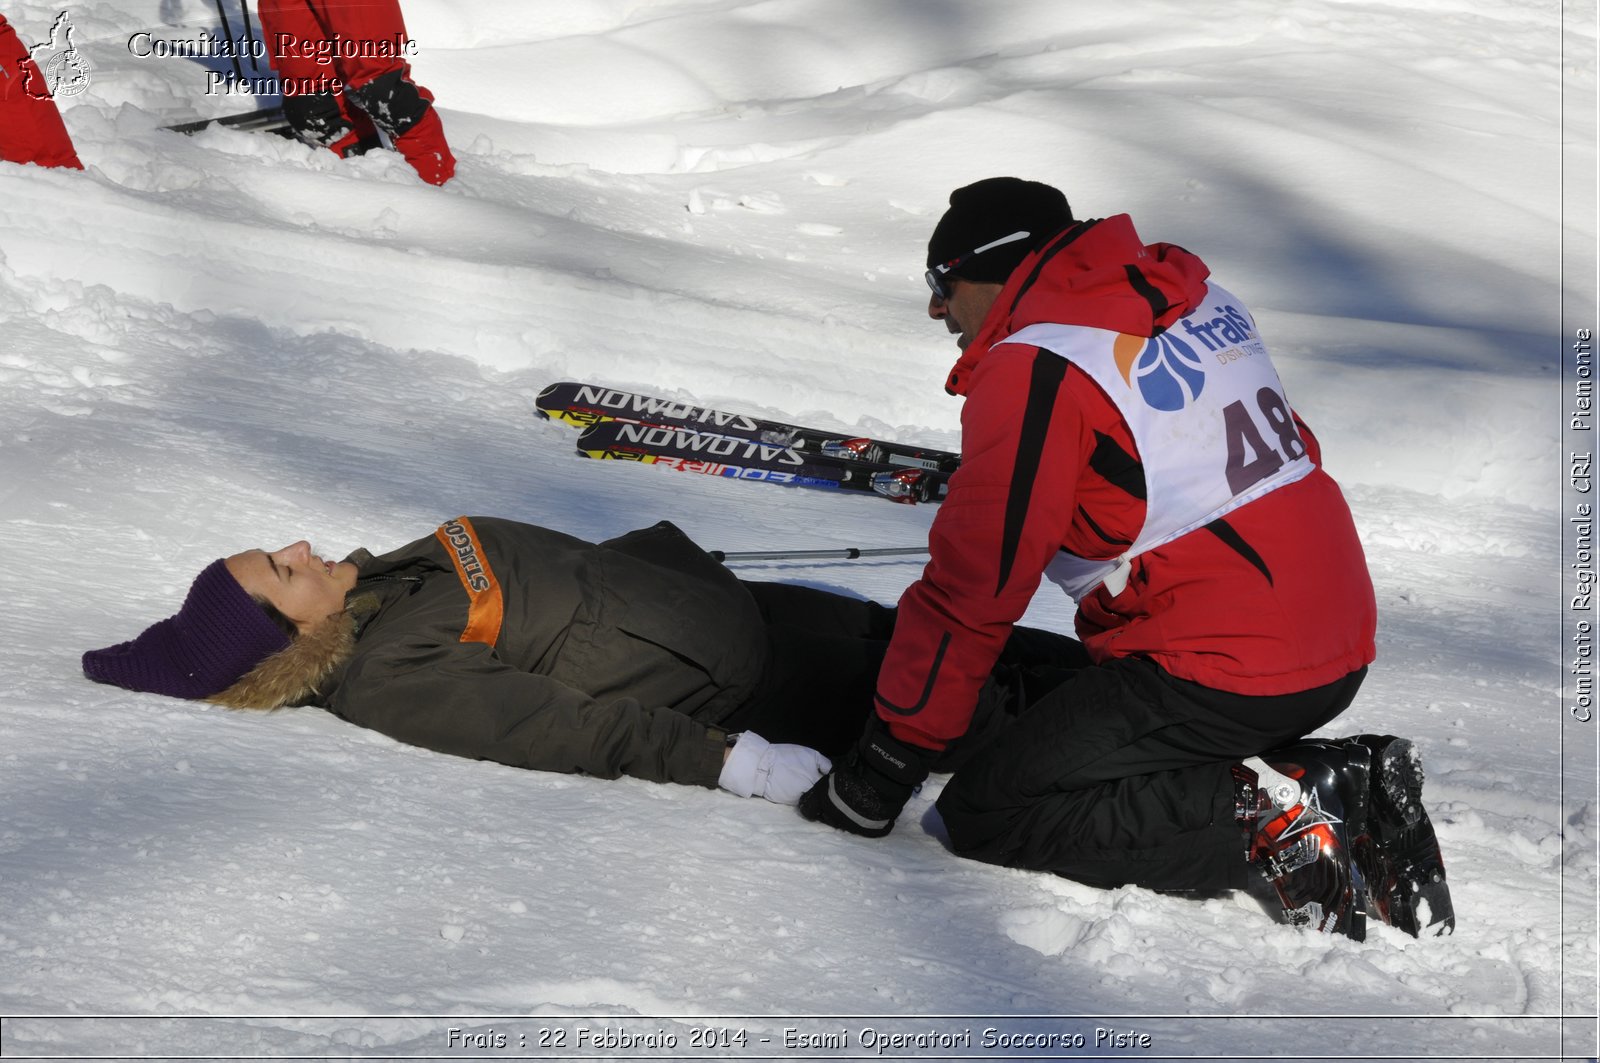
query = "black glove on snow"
x=865 y=792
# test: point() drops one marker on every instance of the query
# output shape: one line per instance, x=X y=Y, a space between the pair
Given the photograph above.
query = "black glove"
x=865 y=792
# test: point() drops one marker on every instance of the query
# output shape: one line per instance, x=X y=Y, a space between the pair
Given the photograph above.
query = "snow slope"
x=229 y=340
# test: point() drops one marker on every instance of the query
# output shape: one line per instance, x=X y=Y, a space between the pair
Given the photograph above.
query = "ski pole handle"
x=848 y=553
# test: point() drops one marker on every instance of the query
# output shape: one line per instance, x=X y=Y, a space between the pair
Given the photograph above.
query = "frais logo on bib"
x=1170 y=369
x=1166 y=370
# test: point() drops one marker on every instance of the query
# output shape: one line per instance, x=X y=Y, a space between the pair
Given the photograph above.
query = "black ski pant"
x=824 y=651
x=1121 y=775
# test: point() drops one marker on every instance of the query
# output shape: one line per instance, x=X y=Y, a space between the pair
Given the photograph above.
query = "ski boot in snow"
x=404 y=112
x=1303 y=814
x=1398 y=854
x=326 y=120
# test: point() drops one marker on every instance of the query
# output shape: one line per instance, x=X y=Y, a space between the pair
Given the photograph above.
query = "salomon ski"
x=587 y=404
x=746 y=459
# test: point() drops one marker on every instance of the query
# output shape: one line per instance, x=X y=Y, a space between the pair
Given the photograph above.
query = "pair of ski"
x=627 y=426
x=267 y=120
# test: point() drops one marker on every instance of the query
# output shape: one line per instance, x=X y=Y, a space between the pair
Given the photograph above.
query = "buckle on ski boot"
x=1301 y=832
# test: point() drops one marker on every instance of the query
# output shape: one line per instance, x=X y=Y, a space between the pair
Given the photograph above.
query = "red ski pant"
x=353 y=51
x=314 y=40
x=31 y=129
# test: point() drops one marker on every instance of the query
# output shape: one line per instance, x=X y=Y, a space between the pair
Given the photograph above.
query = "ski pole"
x=250 y=33
x=233 y=48
x=848 y=553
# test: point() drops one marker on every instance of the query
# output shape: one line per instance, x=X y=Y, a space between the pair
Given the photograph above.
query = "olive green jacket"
x=504 y=641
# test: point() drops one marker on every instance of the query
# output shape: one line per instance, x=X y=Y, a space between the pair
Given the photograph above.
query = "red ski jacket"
x=1274 y=598
x=31 y=129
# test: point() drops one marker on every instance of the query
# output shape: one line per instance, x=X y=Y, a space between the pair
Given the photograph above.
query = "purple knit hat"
x=219 y=635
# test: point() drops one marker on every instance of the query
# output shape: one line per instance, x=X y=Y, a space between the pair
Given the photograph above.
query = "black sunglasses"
x=935 y=276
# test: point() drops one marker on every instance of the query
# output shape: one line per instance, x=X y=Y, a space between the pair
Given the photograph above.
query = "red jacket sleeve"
x=1005 y=516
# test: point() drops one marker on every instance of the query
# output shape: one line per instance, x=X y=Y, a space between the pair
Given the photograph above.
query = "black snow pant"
x=1121 y=775
x=824 y=653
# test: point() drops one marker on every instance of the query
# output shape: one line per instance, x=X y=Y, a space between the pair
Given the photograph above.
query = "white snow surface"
x=230 y=340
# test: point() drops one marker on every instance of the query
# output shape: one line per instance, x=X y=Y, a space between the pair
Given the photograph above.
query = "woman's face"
x=302 y=586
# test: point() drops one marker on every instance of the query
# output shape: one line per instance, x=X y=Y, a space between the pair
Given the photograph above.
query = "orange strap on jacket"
x=487 y=608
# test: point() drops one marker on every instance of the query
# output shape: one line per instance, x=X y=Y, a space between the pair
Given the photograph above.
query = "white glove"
x=780 y=773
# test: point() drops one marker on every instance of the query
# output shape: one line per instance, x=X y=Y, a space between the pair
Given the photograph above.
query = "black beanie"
x=990 y=210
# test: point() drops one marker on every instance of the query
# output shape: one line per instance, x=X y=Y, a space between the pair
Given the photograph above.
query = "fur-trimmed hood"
x=292 y=675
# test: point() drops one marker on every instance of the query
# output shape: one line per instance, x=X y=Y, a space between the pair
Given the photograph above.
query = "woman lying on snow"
x=503 y=641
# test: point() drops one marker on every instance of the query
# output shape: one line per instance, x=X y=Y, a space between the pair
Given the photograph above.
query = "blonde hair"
x=292 y=675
